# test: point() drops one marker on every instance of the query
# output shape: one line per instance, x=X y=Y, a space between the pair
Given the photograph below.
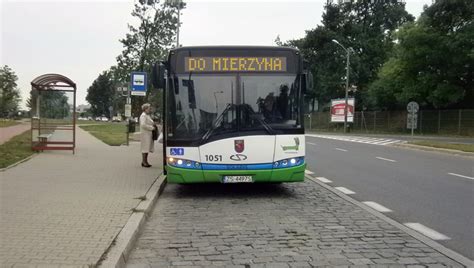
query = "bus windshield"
x=200 y=105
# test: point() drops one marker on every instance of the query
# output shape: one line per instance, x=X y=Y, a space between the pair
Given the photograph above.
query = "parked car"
x=116 y=119
x=104 y=119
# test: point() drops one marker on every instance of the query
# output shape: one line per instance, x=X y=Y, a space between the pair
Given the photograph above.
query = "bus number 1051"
x=214 y=157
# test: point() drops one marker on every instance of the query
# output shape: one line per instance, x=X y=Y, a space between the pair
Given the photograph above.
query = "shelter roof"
x=50 y=81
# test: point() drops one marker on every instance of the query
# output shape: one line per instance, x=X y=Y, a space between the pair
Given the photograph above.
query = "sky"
x=80 y=39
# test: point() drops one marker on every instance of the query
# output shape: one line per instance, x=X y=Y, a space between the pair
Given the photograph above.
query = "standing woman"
x=146 y=128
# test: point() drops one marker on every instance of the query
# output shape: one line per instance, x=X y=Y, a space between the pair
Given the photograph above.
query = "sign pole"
x=127 y=116
x=310 y=119
x=412 y=116
x=138 y=87
x=347 y=90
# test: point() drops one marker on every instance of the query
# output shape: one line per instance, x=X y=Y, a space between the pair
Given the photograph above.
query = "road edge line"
x=119 y=250
x=433 y=149
x=422 y=238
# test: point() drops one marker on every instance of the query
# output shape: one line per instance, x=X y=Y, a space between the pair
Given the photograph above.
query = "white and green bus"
x=233 y=114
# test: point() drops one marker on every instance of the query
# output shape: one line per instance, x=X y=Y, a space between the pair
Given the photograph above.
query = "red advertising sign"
x=337 y=110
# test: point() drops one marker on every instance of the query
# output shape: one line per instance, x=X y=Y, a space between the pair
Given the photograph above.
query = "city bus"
x=233 y=114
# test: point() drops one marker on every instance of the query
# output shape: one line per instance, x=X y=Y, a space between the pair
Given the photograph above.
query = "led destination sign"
x=235 y=64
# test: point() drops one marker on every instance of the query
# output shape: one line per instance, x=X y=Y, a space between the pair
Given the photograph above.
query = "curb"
x=118 y=252
x=427 y=241
x=433 y=149
x=19 y=162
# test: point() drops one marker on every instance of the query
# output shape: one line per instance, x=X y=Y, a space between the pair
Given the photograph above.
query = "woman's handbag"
x=160 y=138
x=154 y=133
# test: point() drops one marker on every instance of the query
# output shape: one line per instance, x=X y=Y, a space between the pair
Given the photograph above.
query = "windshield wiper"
x=267 y=127
x=216 y=124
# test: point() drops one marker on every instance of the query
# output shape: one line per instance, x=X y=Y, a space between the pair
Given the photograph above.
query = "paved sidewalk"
x=6 y=133
x=65 y=209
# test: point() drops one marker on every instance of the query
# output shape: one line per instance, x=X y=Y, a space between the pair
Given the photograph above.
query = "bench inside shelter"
x=43 y=138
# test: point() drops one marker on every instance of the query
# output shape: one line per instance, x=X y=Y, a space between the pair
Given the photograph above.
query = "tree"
x=101 y=94
x=9 y=94
x=147 y=44
x=367 y=27
x=53 y=104
x=433 y=60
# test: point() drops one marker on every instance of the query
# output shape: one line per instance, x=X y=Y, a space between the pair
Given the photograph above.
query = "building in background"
x=83 y=108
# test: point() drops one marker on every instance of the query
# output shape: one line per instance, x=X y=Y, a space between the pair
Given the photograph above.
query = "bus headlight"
x=183 y=163
x=289 y=162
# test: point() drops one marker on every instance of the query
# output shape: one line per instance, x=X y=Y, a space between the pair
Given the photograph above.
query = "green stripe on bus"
x=181 y=175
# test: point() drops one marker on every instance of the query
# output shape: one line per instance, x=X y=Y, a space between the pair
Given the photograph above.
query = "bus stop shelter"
x=53 y=113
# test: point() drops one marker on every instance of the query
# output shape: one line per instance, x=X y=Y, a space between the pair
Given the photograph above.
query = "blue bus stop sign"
x=139 y=83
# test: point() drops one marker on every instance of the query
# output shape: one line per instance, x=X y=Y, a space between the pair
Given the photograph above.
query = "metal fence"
x=443 y=122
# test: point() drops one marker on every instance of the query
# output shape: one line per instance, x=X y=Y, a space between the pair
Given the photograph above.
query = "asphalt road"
x=430 y=188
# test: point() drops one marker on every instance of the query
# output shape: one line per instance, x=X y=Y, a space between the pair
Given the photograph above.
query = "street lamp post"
x=177 y=31
x=178 y=4
x=347 y=82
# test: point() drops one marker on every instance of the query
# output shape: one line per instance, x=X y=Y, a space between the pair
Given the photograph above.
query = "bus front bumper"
x=183 y=175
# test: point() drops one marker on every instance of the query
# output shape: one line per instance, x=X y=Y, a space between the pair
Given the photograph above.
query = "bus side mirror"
x=304 y=81
x=309 y=82
x=158 y=75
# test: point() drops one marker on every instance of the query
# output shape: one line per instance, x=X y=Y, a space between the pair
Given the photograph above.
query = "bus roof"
x=267 y=48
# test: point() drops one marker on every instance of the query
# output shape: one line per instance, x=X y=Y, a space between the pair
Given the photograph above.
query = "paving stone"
x=407 y=261
x=362 y=261
x=287 y=225
x=426 y=260
x=276 y=265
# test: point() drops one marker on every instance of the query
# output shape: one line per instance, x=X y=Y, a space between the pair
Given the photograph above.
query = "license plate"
x=237 y=179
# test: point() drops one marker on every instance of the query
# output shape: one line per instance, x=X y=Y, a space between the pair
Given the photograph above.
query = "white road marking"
x=311 y=143
x=345 y=190
x=339 y=149
x=426 y=231
x=358 y=139
x=391 y=142
x=308 y=172
x=377 y=206
x=322 y=179
x=386 y=159
x=462 y=176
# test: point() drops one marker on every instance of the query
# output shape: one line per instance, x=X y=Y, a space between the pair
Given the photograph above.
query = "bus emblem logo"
x=239 y=146
x=238 y=157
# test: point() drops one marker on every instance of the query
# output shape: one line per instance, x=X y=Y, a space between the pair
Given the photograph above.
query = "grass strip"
x=16 y=149
x=453 y=146
x=8 y=123
x=110 y=133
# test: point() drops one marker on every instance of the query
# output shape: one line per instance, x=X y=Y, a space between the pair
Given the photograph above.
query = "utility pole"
x=347 y=82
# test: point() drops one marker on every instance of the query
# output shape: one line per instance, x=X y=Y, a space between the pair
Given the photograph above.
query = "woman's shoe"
x=146 y=165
